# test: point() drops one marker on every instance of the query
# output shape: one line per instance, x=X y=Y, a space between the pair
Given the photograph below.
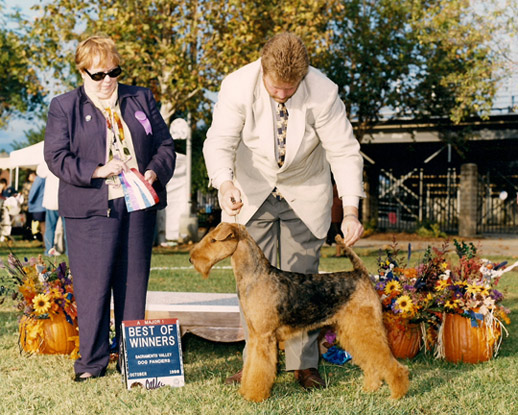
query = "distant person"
x=50 y=203
x=24 y=198
x=6 y=190
x=35 y=206
x=93 y=134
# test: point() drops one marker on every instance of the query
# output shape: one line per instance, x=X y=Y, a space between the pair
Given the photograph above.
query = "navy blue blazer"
x=75 y=145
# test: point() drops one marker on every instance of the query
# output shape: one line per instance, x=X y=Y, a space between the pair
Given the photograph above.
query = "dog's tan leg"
x=360 y=330
x=260 y=367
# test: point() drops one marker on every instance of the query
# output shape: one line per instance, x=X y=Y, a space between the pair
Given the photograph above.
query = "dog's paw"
x=254 y=395
x=371 y=385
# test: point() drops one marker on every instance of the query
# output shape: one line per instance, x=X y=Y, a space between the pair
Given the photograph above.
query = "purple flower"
x=497 y=295
x=330 y=337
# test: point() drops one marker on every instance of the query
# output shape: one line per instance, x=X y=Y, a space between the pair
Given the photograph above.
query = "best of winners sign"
x=151 y=353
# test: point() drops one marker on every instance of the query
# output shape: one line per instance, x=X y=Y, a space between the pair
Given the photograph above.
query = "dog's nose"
x=190 y=260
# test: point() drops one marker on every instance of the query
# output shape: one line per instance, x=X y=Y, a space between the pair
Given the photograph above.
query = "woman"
x=93 y=134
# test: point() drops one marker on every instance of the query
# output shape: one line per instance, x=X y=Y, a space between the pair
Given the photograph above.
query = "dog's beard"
x=204 y=269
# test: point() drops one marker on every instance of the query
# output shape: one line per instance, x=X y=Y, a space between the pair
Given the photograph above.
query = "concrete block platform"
x=211 y=316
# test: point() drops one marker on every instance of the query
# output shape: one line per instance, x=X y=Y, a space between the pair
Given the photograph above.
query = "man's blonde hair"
x=285 y=58
x=99 y=45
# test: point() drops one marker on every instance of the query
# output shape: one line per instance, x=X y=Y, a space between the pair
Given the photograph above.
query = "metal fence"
x=498 y=198
x=418 y=198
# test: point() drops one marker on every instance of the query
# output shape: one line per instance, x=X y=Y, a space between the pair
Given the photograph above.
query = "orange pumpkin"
x=404 y=338
x=464 y=343
x=53 y=335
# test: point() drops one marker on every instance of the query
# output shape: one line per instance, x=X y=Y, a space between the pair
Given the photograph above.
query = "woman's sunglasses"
x=99 y=76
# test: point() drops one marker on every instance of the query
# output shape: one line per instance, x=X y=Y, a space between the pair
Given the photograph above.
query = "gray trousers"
x=289 y=245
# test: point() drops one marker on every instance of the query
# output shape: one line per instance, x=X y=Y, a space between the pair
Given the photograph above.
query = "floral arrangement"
x=421 y=297
x=46 y=291
x=405 y=292
x=469 y=288
x=436 y=286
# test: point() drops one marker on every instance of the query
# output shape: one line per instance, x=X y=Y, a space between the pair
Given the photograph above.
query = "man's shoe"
x=310 y=379
x=234 y=379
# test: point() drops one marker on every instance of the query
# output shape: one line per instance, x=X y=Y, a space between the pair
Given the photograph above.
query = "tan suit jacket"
x=240 y=146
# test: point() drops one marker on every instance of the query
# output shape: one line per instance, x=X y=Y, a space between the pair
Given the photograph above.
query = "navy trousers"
x=108 y=254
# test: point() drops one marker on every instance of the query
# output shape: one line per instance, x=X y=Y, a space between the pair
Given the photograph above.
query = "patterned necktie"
x=281 y=128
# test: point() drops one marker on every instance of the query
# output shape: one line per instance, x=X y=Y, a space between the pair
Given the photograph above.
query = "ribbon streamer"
x=138 y=193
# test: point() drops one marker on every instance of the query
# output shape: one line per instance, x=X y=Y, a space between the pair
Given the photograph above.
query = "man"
x=278 y=127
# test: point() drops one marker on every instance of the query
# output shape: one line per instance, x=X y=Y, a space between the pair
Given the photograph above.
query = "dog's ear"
x=225 y=237
x=225 y=232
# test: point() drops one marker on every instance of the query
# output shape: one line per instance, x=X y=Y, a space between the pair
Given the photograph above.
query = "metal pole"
x=188 y=168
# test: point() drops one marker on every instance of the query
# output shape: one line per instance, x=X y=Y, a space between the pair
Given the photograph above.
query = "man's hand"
x=351 y=226
x=230 y=198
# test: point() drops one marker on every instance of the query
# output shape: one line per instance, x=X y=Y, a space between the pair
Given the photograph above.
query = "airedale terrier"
x=277 y=304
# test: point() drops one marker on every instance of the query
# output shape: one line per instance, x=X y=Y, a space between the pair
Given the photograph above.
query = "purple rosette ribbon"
x=142 y=119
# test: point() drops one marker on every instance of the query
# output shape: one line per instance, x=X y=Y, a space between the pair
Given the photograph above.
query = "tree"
x=181 y=49
x=411 y=58
x=20 y=89
x=408 y=58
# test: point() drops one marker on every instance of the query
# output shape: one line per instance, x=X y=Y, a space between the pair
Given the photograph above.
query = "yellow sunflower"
x=451 y=304
x=405 y=304
x=484 y=291
x=472 y=289
x=55 y=293
x=41 y=304
x=441 y=285
x=392 y=286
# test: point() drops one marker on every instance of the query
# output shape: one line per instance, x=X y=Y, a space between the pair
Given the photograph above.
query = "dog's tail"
x=355 y=260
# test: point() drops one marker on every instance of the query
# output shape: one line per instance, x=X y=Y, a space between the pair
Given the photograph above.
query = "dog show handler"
x=279 y=128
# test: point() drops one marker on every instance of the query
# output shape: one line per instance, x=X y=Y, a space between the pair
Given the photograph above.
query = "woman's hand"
x=113 y=168
x=150 y=176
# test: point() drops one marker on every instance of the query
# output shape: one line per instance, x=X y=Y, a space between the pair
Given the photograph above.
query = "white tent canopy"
x=28 y=157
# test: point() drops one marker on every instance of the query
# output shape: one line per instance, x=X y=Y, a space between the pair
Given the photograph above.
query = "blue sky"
x=15 y=131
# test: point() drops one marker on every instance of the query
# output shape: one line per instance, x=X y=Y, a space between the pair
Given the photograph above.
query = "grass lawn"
x=42 y=384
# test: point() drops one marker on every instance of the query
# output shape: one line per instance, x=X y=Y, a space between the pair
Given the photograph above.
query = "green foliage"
x=463 y=249
x=20 y=89
x=430 y=230
x=424 y=59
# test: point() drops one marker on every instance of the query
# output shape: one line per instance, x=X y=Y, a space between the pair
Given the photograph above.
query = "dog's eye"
x=212 y=240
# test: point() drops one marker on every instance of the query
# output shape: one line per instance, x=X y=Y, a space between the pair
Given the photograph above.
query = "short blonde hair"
x=285 y=58
x=99 y=45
